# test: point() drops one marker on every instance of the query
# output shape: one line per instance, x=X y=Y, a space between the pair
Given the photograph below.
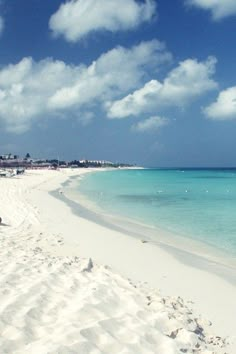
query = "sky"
x=147 y=82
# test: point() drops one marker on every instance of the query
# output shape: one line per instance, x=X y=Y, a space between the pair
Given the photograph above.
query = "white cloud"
x=1 y=25
x=75 y=19
x=184 y=83
x=151 y=124
x=219 y=8
x=32 y=90
x=225 y=106
x=117 y=71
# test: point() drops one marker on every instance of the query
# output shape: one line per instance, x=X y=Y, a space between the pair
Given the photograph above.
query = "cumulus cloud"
x=116 y=71
x=189 y=80
x=150 y=125
x=75 y=19
x=225 y=106
x=32 y=90
x=219 y=8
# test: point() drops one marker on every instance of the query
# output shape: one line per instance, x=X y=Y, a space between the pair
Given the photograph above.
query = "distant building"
x=8 y=157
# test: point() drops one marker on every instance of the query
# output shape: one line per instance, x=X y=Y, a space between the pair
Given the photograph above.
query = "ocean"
x=197 y=204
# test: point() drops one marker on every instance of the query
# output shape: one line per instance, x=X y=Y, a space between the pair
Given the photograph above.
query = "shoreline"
x=207 y=285
x=170 y=234
x=44 y=227
x=191 y=252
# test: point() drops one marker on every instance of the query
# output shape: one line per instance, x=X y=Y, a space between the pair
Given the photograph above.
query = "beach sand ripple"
x=71 y=305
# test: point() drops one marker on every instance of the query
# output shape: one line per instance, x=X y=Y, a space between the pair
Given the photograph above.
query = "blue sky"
x=147 y=82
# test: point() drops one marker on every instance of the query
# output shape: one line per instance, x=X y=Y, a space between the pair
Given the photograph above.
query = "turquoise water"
x=200 y=204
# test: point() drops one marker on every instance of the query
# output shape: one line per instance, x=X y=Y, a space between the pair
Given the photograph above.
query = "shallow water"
x=199 y=204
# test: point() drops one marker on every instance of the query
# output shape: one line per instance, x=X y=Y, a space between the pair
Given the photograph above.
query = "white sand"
x=54 y=299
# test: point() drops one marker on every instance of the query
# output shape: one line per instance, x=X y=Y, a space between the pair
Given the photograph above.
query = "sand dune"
x=52 y=302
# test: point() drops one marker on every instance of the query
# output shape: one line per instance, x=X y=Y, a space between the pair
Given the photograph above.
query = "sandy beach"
x=71 y=286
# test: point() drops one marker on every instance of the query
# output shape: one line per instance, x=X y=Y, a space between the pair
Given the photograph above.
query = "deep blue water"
x=195 y=203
